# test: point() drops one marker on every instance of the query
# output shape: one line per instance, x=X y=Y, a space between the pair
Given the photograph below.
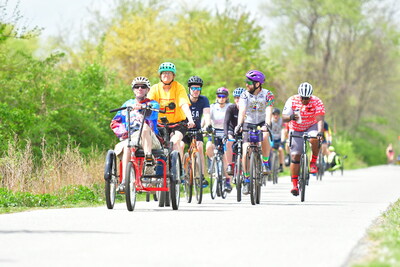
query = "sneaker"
x=229 y=170
x=295 y=191
x=280 y=168
x=204 y=183
x=121 y=188
x=266 y=170
x=228 y=187
x=246 y=185
x=149 y=160
x=313 y=167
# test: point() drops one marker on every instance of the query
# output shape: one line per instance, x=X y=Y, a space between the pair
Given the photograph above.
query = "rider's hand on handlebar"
x=294 y=117
x=224 y=139
x=209 y=129
x=191 y=124
x=319 y=135
x=238 y=129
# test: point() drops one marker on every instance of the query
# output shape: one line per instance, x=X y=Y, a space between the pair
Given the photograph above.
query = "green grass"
x=385 y=237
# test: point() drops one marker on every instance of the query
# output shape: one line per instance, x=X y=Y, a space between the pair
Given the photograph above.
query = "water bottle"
x=297 y=112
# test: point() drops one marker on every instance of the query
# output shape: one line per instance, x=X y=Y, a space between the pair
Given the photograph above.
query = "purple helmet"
x=255 y=76
x=222 y=91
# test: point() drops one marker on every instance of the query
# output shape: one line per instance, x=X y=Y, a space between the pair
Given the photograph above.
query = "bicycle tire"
x=198 y=176
x=130 y=187
x=188 y=182
x=111 y=178
x=275 y=166
x=253 y=177
x=174 y=181
x=238 y=178
x=320 y=166
x=304 y=172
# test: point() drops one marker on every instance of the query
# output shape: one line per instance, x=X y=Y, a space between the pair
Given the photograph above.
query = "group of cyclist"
x=253 y=106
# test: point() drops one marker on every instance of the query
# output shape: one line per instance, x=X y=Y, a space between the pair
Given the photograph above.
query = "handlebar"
x=147 y=107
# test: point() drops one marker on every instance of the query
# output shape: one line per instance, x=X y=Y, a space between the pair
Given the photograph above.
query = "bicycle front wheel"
x=111 y=178
x=254 y=172
x=198 y=176
x=130 y=187
x=188 y=182
x=238 y=178
x=174 y=181
x=275 y=167
x=304 y=172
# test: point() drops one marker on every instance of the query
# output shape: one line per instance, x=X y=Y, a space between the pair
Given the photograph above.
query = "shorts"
x=187 y=140
x=276 y=143
x=179 y=128
x=134 y=137
x=297 y=143
x=246 y=127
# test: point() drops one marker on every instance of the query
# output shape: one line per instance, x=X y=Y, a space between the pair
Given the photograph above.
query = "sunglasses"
x=249 y=82
x=195 y=88
x=140 y=86
x=305 y=98
x=221 y=96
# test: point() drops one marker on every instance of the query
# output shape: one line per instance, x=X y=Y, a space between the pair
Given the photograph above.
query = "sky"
x=54 y=16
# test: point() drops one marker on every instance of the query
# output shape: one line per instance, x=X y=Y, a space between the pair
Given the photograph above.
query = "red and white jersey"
x=308 y=112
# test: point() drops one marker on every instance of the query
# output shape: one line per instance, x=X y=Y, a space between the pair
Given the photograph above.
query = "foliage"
x=386 y=237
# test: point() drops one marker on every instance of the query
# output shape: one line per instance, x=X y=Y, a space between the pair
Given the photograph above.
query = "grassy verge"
x=385 y=241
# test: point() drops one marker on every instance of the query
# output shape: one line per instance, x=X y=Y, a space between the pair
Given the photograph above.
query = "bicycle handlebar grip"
x=117 y=109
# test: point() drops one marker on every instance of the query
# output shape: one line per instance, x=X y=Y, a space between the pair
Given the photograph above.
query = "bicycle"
x=320 y=165
x=238 y=177
x=193 y=168
x=274 y=160
x=254 y=162
x=304 y=173
x=216 y=169
x=136 y=181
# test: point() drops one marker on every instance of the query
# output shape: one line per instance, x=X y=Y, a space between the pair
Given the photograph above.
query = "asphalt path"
x=280 y=231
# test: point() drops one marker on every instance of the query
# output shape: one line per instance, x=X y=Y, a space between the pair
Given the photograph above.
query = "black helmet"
x=195 y=80
x=276 y=111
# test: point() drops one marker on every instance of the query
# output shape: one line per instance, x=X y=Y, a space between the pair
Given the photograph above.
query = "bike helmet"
x=141 y=80
x=331 y=148
x=222 y=91
x=255 y=76
x=238 y=91
x=166 y=66
x=276 y=111
x=305 y=90
x=195 y=80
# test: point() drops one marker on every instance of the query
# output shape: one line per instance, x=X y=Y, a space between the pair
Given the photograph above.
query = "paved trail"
x=281 y=231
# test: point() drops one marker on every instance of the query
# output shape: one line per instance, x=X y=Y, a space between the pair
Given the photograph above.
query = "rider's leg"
x=315 y=149
x=266 y=150
x=294 y=173
x=176 y=140
x=210 y=153
x=147 y=141
x=228 y=152
x=201 y=152
x=281 y=156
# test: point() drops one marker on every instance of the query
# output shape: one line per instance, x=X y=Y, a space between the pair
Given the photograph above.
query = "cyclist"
x=167 y=91
x=332 y=160
x=230 y=123
x=217 y=116
x=306 y=115
x=200 y=107
x=326 y=139
x=276 y=130
x=255 y=107
x=119 y=125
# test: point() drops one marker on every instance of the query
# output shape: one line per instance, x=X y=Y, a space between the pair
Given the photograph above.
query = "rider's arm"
x=226 y=120
x=287 y=110
x=186 y=109
x=206 y=117
x=268 y=114
x=320 y=123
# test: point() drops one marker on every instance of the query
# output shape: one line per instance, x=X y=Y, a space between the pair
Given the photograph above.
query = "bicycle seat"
x=156 y=153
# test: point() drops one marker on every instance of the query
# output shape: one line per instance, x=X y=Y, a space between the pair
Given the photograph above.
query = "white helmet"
x=305 y=89
x=141 y=80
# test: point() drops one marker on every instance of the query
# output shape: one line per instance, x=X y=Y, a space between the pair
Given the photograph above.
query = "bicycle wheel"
x=130 y=187
x=111 y=178
x=174 y=181
x=320 y=166
x=188 y=172
x=253 y=177
x=275 y=166
x=213 y=178
x=198 y=176
x=238 y=178
x=304 y=172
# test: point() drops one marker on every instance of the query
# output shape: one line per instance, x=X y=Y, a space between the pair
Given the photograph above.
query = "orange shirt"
x=176 y=94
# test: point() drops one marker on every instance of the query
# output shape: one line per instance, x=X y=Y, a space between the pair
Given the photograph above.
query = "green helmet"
x=167 y=66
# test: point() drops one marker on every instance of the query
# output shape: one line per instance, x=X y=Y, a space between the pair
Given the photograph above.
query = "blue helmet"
x=238 y=91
